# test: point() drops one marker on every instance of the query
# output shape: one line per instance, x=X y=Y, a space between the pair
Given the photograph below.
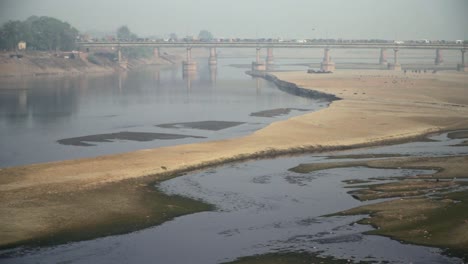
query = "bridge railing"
x=275 y=45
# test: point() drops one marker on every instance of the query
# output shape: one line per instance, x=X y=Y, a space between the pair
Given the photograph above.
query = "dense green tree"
x=41 y=33
x=124 y=33
x=205 y=35
x=10 y=34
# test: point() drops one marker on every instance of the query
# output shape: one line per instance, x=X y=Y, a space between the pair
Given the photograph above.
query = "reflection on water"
x=37 y=112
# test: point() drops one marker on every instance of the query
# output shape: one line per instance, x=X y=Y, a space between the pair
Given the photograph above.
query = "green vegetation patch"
x=404 y=188
x=366 y=156
x=446 y=167
x=311 y=167
x=426 y=221
x=290 y=258
x=115 y=208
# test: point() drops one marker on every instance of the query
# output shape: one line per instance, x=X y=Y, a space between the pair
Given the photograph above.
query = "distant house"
x=21 y=45
x=71 y=54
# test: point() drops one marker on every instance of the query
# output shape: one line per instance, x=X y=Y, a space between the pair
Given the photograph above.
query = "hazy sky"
x=385 y=19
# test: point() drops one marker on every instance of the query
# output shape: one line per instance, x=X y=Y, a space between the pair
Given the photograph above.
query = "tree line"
x=40 y=33
x=51 y=34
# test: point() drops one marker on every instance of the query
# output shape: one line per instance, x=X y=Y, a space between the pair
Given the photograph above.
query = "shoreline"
x=27 y=190
x=45 y=64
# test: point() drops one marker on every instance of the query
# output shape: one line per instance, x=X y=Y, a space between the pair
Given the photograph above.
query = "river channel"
x=261 y=207
x=55 y=118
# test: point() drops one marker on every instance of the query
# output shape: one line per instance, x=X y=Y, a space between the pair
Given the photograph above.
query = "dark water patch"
x=265 y=179
x=340 y=239
x=133 y=136
x=276 y=112
x=462 y=144
x=203 y=125
x=458 y=134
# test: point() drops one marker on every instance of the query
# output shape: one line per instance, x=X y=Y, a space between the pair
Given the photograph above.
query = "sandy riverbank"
x=377 y=107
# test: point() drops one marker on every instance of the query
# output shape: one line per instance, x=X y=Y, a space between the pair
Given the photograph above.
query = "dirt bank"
x=377 y=107
x=45 y=63
x=35 y=63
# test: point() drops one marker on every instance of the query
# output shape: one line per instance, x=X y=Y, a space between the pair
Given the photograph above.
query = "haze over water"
x=36 y=113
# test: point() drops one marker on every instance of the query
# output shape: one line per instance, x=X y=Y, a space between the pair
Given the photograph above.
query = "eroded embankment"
x=292 y=88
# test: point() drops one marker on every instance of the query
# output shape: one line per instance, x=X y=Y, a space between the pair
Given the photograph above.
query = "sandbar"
x=377 y=107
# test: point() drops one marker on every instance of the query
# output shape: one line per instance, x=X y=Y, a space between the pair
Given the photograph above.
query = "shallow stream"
x=261 y=207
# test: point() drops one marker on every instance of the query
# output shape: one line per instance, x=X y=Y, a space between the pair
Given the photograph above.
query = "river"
x=56 y=118
x=261 y=206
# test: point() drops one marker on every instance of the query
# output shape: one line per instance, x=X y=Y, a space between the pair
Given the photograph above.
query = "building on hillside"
x=21 y=45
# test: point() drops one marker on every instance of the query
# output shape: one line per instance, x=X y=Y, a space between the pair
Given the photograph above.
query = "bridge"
x=327 y=64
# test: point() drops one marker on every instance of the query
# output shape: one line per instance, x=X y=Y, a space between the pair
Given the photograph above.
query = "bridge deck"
x=273 y=45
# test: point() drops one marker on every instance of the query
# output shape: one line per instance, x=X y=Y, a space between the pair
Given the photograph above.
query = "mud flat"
x=432 y=210
x=261 y=207
x=126 y=135
x=378 y=107
x=203 y=125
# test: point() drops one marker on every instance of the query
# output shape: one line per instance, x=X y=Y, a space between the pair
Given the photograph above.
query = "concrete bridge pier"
x=395 y=66
x=327 y=64
x=383 y=56
x=258 y=65
x=462 y=67
x=189 y=65
x=122 y=63
x=213 y=60
x=438 y=59
x=270 y=59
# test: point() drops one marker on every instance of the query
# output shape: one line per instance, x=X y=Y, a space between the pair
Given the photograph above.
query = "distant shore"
x=36 y=63
x=377 y=107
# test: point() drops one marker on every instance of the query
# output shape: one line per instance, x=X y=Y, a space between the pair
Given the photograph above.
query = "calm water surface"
x=35 y=113
x=261 y=206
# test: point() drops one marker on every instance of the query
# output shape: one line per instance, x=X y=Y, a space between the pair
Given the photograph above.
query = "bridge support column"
x=438 y=59
x=327 y=64
x=383 y=56
x=270 y=59
x=462 y=67
x=213 y=60
x=189 y=65
x=122 y=63
x=258 y=65
x=395 y=66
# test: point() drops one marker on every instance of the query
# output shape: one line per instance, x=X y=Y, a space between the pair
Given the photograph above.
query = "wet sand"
x=377 y=107
x=276 y=112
